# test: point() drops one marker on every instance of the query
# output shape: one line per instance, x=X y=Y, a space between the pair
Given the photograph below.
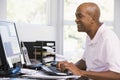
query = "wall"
x=2 y=9
x=35 y=32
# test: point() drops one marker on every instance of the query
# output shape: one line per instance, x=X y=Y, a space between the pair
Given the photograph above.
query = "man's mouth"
x=79 y=25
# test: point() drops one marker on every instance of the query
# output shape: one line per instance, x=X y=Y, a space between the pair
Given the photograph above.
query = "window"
x=73 y=40
x=27 y=11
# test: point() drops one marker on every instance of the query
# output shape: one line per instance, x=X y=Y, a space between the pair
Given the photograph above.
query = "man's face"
x=82 y=20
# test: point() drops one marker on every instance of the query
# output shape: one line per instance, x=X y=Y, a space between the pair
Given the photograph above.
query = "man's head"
x=87 y=16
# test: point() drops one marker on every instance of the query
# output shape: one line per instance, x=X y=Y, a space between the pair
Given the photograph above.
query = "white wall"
x=3 y=9
x=35 y=32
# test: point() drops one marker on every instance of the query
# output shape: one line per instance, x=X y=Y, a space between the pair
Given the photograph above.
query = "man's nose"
x=76 y=20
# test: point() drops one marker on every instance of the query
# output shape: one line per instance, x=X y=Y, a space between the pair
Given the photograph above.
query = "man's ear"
x=92 y=20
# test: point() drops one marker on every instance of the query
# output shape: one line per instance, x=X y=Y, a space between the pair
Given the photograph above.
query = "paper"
x=49 y=49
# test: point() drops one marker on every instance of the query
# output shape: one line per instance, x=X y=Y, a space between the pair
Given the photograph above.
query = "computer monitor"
x=10 y=51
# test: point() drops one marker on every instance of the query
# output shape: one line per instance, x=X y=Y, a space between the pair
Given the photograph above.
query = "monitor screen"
x=10 y=42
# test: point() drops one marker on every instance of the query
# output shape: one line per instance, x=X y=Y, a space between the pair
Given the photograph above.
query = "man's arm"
x=97 y=75
x=77 y=70
x=106 y=75
x=81 y=64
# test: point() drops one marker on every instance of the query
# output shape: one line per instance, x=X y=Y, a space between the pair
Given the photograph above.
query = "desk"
x=51 y=77
x=42 y=76
x=16 y=79
x=36 y=77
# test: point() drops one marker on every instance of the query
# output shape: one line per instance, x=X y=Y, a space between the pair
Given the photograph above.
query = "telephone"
x=25 y=54
x=33 y=64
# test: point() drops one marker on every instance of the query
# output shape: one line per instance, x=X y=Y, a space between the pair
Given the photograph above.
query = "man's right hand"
x=68 y=66
x=61 y=65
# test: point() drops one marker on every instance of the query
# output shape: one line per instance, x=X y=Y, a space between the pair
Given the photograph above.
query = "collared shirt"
x=102 y=53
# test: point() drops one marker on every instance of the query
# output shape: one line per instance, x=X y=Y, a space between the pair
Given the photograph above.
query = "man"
x=101 y=59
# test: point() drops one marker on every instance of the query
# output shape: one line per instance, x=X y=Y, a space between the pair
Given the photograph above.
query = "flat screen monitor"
x=10 y=52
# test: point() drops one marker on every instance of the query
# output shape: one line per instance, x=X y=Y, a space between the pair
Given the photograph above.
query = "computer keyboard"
x=54 y=69
x=51 y=70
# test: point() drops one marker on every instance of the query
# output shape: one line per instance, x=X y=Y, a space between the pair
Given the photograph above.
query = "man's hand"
x=64 y=66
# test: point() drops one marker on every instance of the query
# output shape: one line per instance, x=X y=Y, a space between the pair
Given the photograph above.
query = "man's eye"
x=79 y=16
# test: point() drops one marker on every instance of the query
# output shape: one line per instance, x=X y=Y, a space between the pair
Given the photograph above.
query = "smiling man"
x=101 y=59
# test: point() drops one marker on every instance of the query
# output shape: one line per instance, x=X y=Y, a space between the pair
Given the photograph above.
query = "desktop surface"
x=16 y=79
x=34 y=74
x=39 y=74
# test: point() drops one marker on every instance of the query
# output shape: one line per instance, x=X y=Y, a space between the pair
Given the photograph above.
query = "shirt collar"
x=97 y=35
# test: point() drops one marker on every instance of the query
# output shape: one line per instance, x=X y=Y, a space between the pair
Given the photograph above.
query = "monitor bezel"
x=4 y=59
